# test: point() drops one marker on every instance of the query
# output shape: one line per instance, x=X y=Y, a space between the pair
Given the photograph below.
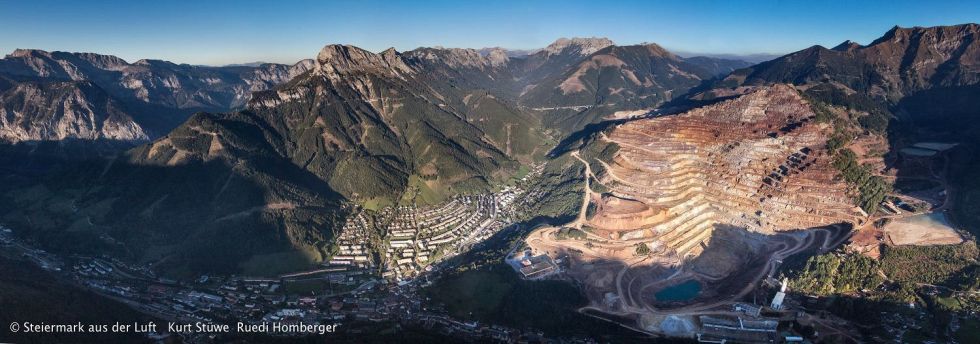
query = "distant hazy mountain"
x=750 y=58
x=508 y=52
x=247 y=64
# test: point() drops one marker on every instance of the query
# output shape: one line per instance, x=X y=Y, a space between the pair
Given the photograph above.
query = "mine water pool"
x=679 y=292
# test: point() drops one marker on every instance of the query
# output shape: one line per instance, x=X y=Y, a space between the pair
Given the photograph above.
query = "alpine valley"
x=582 y=192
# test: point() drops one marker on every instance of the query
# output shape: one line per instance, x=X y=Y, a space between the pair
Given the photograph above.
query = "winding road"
x=588 y=193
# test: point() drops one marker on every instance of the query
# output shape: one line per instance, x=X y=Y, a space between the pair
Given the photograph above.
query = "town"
x=381 y=261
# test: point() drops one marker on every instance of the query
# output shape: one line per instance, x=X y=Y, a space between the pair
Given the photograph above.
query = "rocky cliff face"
x=577 y=45
x=153 y=81
x=156 y=95
x=32 y=111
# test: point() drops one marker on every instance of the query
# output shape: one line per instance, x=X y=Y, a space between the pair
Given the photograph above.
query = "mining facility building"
x=726 y=330
x=537 y=266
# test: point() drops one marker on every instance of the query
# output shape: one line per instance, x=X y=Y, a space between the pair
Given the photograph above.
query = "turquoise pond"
x=679 y=292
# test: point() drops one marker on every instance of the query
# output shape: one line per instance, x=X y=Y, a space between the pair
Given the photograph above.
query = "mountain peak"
x=153 y=62
x=28 y=52
x=342 y=53
x=847 y=45
x=949 y=33
x=584 y=46
x=497 y=56
x=99 y=60
x=336 y=59
x=390 y=52
x=657 y=50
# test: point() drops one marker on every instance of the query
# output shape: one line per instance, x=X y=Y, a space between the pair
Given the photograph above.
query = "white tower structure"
x=777 y=301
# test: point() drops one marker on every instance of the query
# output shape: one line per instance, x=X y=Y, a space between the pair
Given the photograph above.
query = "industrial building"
x=537 y=266
x=777 y=301
x=726 y=330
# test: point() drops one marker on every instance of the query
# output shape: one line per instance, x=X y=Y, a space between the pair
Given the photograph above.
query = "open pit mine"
x=695 y=209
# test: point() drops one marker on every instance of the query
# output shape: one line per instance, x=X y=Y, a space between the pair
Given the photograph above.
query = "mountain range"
x=901 y=62
x=58 y=95
x=151 y=97
x=920 y=81
x=247 y=165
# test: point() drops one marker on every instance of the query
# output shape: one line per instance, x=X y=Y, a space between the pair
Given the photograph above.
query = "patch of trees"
x=837 y=140
x=877 y=117
x=604 y=152
x=836 y=273
x=561 y=183
x=943 y=265
x=570 y=233
x=872 y=189
x=590 y=211
x=598 y=187
x=822 y=113
x=642 y=249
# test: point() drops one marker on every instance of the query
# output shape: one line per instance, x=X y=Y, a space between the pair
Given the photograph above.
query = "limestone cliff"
x=157 y=95
x=63 y=110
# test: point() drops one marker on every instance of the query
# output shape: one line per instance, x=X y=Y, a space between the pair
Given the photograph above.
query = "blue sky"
x=222 y=32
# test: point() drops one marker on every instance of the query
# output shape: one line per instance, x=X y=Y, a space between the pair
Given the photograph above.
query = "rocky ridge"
x=33 y=111
x=155 y=95
x=901 y=62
